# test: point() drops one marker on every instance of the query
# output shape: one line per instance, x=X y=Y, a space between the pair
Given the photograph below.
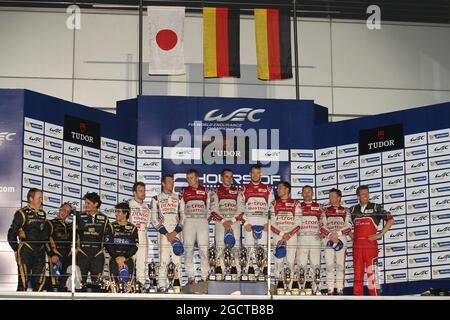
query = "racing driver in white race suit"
x=227 y=210
x=309 y=236
x=256 y=198
x=167 y=217
x=140 y=217
x=196 y=225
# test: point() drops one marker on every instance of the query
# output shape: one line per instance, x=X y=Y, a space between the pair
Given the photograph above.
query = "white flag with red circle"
x=166 y=40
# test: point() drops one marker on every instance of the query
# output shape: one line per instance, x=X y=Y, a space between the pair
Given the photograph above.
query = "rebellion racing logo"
x=6 y=137
x=238 y=115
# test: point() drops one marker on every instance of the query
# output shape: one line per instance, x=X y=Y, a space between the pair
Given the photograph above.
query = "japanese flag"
x=166 y=40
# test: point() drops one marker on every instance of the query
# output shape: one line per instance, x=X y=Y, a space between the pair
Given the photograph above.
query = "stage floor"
x=156 y=296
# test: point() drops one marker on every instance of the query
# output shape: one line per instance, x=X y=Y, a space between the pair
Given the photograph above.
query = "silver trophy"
x=228 y=260
x=308 y=283
x=261 y=262
x=153 y=274
x=302 y=281
x=317 y=281
x=176 y=282
x=212 y=258
x=171 y=269
x=287 y=279
x=243 y=261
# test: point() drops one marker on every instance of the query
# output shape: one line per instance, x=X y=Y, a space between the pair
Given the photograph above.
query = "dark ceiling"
x=429 y=11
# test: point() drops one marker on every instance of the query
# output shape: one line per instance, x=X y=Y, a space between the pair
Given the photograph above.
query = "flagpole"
x=297 y=81
x=140 y=47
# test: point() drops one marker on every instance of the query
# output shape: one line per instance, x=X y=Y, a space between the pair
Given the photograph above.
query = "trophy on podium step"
x=243 y=261
x=153 y=274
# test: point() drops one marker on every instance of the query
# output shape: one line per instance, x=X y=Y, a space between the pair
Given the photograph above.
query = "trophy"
x=171 y=268
x=212 y=258
x=308 y=284
x=56 y=276
x=228 y=261
x=251 y=272
x=243 y=261
x=121 y=287
x=295 y=289
x=176 y=282
x=287 y=279
x=280 y=285
x=152 y=274
x=302 y=281
x=261 y=262
x=138 y=287
x=317 y=282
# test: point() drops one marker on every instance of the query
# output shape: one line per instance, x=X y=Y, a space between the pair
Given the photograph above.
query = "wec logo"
x=238 y=115
x=6 y=136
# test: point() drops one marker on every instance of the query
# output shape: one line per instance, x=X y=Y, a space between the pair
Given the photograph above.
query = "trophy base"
x=219 y=277
x=152 y=290
x=308 y=292
x=318 y=293
x=261 y=278
x=281 y=291
x=212 y=278
x=251 y=277
x=176 y=290
x=228 y=278
x=244 y=278
x=171 y=290
x=295 y=292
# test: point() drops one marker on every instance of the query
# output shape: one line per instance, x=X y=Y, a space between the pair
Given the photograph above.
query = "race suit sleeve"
x=214 y=204
x=323 y=225
x=239 y=207
x=297 y=221
x=181 y=209
x=241 y=198
x=134 y=244
x=13 y=232
x=347 y=228
x=383 y=214
x=273 y=220
x=155 y=216
x=51 y=248
x=109 y=243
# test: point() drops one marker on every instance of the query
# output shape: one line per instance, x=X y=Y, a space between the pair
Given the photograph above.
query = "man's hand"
x=286 y=237
x=120 y=261
x=171 y=236
x=375 y=236
x=227 y=224
x=54 y=259
x=266 y=227
x=248 y=227
x=334 y=237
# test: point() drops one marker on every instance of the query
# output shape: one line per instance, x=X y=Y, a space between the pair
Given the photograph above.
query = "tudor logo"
x=82 y=131
x=238 y=115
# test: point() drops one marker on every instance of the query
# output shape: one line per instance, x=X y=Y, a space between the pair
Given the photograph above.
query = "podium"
x=244 y=287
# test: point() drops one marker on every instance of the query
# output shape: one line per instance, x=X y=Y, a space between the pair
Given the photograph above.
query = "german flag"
x=273 y=44
x=221 y=43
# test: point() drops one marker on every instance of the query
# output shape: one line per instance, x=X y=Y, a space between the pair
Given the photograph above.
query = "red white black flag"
x=166 y=40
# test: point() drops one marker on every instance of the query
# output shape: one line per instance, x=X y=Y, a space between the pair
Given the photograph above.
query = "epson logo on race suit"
x=6 y=136
x=238 y=115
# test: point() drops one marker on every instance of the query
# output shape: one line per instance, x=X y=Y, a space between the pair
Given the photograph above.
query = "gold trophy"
x=281 y=291
x=228 y=262
x=261 y=262
x=176 y=282
x=212 y=258
x=153 y=274
x=295 y=288
x=243 y=261
x=171 y=268
x=308 y=284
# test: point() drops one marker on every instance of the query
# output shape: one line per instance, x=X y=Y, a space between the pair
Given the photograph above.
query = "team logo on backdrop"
x=381 y=139
x=239 y=115
x=82 y=131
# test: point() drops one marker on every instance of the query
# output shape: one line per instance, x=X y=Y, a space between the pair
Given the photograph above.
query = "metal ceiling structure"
x=423 y=11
